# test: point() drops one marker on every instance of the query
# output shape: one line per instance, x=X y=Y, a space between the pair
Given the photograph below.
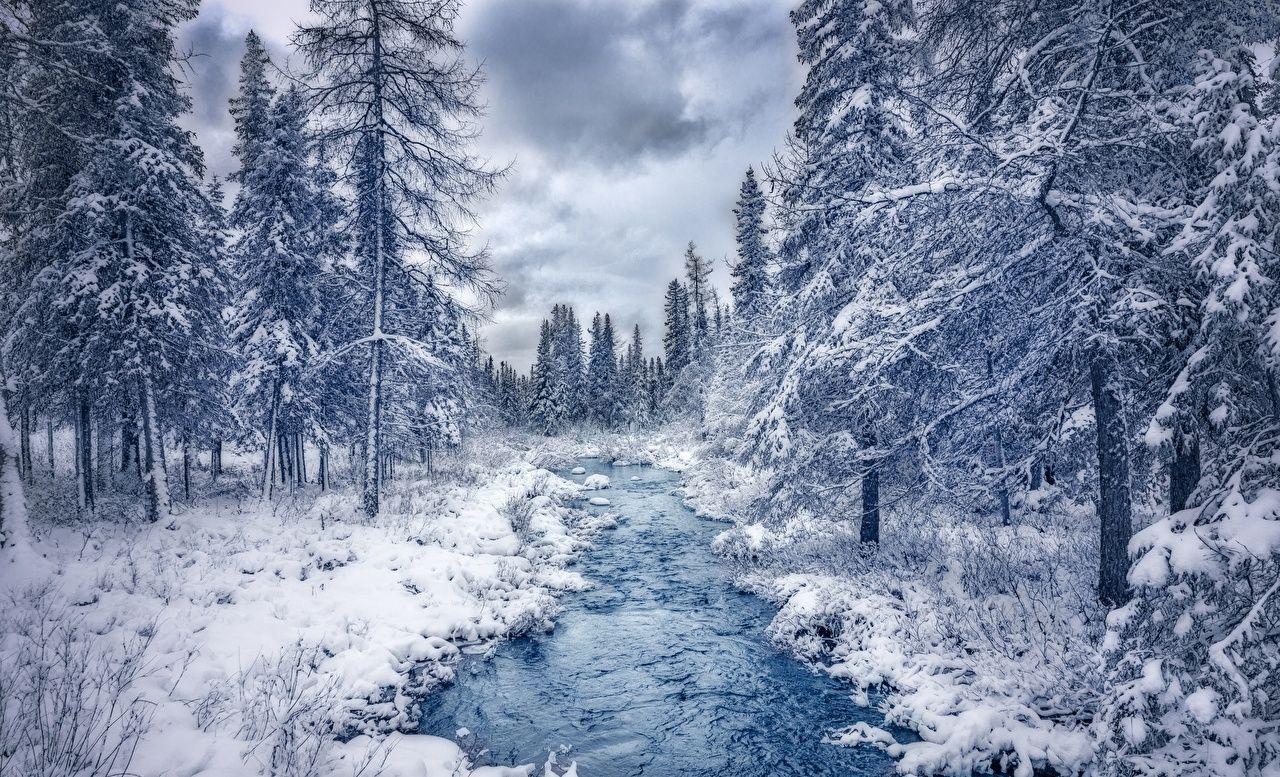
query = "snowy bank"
x=249 y=636
x=983 y=640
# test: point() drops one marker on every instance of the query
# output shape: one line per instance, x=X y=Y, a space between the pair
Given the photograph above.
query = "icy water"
x=661 y=669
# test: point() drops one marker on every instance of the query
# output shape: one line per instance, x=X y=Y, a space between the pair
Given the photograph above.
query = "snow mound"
x=578 y=471
x=596 y=482
x=599 y=501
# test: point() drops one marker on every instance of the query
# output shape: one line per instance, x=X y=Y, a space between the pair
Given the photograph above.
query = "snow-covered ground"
x=984 y=640
x=248 y=638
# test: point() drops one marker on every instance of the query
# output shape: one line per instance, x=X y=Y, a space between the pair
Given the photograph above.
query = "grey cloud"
x=603 y=80
x=214 y=43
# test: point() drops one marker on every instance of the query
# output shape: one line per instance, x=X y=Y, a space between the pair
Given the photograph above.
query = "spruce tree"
x=677 y=339
x=698 y=288
x=750 y=272
x=279 y=260
x=129 y=308
x=545 y=413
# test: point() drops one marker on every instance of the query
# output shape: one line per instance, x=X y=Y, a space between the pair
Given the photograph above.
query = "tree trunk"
x=1114 y=508
x=155 y=480
x=84 y=435
x=52 y=468
x=268 y=460
x=372 y=495
x=128 y=441
x=1184 y=470
x=870 y=529
x=104 y=457
x=215 y=459
x=186 y=466
x=322 y=474
x=286 y=461
x=26 y=466
x=301 y=445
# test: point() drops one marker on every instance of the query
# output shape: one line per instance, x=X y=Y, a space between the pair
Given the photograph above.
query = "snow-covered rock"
x=578 y=471
x=596 y=482
x=599 y=501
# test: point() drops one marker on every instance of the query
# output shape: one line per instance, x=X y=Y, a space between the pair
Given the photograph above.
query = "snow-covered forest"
x=987 y=398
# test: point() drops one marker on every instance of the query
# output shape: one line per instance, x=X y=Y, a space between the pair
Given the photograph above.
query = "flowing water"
x=661 y=669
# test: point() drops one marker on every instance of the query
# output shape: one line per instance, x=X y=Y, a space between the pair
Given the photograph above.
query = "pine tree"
x=750 y=274
x=602 y=382
x=698 y=287
x=397 y=101
x=251 y=107
x=677 y=339
x=129 y=307
x=545 y=412
x=570 y=364
x=280 y=268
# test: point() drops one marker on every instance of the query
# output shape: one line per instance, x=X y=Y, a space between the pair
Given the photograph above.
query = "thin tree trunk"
x=215 y=459
x=1114 y=506
x=1006 y=517
x=85 y=437
x=372 y=496
x=301 y=445
x=268 y=460
x=322 y=475
x=52 y=468
x=25 y=465
x=1184 y=470
x=186 y=466
x=128 y=441
x=155 y=480
x=104 y=458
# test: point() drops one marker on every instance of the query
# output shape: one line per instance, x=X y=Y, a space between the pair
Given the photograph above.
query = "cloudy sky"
x=630 y=123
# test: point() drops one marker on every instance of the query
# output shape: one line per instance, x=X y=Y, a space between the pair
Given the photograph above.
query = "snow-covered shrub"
x=286 y=710
x=1195 y=681
x=69 y=703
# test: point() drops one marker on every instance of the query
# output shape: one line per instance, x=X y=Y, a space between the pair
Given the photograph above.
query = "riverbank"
x=661 y=668
x=246 y=637
x=982 y=641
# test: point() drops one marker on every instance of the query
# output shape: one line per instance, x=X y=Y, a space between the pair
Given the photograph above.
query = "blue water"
x=661 y=669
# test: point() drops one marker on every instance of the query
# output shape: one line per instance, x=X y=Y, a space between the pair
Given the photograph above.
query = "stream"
x=661 y=669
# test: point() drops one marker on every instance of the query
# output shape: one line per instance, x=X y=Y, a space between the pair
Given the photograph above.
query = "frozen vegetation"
x=262 y=637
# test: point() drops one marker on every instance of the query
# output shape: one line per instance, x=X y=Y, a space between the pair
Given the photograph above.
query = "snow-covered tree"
x=280 y=266
x=546 y=413
x=1192 y=652
x=398 y=103
x=677 y=339
x=129 y=307
x=750 y=273
x=697 y=272
x=602 y=380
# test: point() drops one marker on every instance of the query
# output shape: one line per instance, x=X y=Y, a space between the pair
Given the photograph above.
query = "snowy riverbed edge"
x=894 y=637
x=247 y=635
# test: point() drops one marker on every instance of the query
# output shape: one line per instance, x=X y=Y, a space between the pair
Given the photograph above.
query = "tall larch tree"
x=398 y=102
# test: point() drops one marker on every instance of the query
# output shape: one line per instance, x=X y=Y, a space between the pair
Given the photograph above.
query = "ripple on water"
x=661 y=669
